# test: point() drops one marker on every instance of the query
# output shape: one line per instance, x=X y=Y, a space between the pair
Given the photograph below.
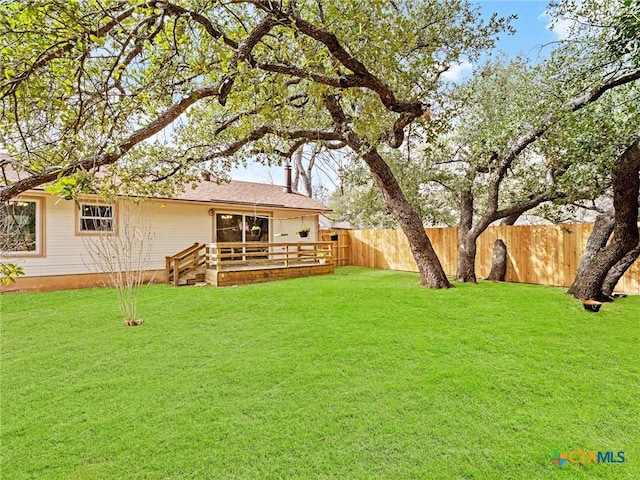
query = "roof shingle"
x=234 y=192
x=249 y=193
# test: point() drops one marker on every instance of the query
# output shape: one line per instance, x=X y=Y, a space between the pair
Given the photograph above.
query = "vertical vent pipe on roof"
x=287 y=178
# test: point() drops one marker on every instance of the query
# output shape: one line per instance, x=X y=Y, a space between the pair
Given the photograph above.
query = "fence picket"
x=541 y=254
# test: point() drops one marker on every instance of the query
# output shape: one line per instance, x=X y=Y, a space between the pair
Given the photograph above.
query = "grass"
x=358 y=375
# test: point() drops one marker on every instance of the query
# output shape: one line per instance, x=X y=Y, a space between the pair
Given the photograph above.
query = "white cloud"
x=579 y=15
x=561 y=27
x=456 y=72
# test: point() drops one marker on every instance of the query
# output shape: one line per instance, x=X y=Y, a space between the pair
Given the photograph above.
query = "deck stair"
x=186 y=267
x=192 y=278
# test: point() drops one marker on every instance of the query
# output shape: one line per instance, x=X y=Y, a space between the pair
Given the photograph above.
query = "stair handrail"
x=173 y=263
x=187 y=251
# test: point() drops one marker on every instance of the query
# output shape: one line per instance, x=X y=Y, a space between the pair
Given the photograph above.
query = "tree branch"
x=171 y=114
x=527 y=139
x=362 y=77
x=261 y=132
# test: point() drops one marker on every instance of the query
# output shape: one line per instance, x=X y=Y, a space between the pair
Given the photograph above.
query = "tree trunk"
x=302 y=173
x=602 y=230
x=307 y=174
x=499 y=258
x=498 y=262
x=431 y=271
x=618 y=270
x=626 y=185
x=466 y=271
x=296 y=159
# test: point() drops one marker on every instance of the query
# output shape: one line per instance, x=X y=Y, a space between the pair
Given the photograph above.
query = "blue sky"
x=531 y=25
x=532 y=31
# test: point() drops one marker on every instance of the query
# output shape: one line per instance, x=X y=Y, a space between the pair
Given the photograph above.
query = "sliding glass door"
x=229 y=228
x=232 y=227
x=242 y=228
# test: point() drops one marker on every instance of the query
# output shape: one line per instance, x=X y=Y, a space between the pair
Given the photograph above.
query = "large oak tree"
x=86 y=84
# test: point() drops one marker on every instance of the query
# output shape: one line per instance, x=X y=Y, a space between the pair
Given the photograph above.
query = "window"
x=20 y=226
x=240 y=228
x=96 y=218
x=229 y=228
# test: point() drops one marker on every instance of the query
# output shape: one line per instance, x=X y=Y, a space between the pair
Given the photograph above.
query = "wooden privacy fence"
x=539 y=254
x=341 y=246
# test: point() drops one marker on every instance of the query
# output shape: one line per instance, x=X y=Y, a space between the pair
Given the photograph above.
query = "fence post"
x=218 y=257
x=176 y=271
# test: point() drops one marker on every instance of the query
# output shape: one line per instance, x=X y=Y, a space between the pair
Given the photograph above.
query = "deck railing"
x=184 y=262
x=230 y=255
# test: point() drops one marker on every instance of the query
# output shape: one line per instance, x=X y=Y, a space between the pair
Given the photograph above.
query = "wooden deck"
x=257 y=274
x=227 y=264
x=254 y=262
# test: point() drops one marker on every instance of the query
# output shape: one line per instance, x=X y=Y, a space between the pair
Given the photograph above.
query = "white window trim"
x=39 y=251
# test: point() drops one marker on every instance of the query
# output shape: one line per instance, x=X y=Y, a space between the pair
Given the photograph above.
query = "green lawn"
x=359 y=375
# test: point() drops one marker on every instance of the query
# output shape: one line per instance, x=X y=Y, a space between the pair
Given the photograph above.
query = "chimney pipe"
x=287 y=178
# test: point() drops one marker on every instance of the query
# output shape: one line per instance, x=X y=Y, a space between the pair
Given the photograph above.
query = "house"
x=56 y=235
